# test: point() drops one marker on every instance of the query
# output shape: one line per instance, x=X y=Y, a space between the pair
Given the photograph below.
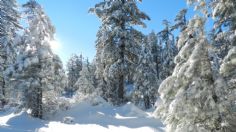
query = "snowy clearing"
x=83 y=116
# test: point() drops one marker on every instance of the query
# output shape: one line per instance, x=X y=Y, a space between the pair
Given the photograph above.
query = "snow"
x=85 y=117
x=5 y=118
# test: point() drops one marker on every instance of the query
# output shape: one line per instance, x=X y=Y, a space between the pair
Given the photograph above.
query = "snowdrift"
x=84 y=117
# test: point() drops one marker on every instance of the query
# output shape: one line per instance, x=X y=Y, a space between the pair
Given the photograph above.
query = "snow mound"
x=85 y=117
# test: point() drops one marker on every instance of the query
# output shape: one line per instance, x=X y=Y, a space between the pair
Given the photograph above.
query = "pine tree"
x=36 y=65
x=74 y=67
x=145 y=79
x=180 y=20
x=54 y=87
x=168 y=51
x=9 y=17
x=155 y=50
x=223 y=13
x=228 y=71
x=135 y=49
x=99 y=63
x=190 y=100
x=223 y=38
x=115 y=41
x=86 y=82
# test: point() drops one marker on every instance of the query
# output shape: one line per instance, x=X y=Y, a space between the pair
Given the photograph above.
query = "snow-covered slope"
x=85 y=117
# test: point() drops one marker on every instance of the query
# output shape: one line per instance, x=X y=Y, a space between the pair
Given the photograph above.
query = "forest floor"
x=84 y=117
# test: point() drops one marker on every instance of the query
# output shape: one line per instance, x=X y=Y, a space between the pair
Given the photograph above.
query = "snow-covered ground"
x=85 y=117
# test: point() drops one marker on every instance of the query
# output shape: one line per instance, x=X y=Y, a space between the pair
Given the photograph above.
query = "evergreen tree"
x=223 y=13
x=145 y=79
x=180 y=20
x=99 y=63
x=86 y=82
x=74 y=67
x=9 y=17
x=54 y=86
x=190 y=100
x=135 y=50
x=155 y=49
x=36 y=65
x=223 y=39
x=168 y=51
x=228 y=71
x=115 y=42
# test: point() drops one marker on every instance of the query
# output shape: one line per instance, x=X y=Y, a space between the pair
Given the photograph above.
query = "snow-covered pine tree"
x=190 y=99
x=180 y=20
x=115 y=42
x=155 y=50
x=74 y=67
x=224 y=42
x=224 y=15
x=54 y=86
x=135 y=49
x=168 y=51
x=221 y=43
x=86 y=82
x=222 y=12
x=60 y=78
x=99 y=63
x=36 y=65
x=228 y=72
x=145 y=79
x=9 y=17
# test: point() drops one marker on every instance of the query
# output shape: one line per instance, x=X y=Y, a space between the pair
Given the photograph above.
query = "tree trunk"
x=37 y=110
x=3 y=93
x=40 y=103
x=121 y=88
x=3 y=83
x=121 y=77
x=122 y=55
x=3 y=88
x=146 y=102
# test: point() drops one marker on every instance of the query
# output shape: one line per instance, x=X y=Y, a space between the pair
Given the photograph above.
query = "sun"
x=55 y=45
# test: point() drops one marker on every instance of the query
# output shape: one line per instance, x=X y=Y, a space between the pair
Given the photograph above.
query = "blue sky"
x=76 y=29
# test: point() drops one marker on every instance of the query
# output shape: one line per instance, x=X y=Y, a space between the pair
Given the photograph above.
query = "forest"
x=179 y=79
